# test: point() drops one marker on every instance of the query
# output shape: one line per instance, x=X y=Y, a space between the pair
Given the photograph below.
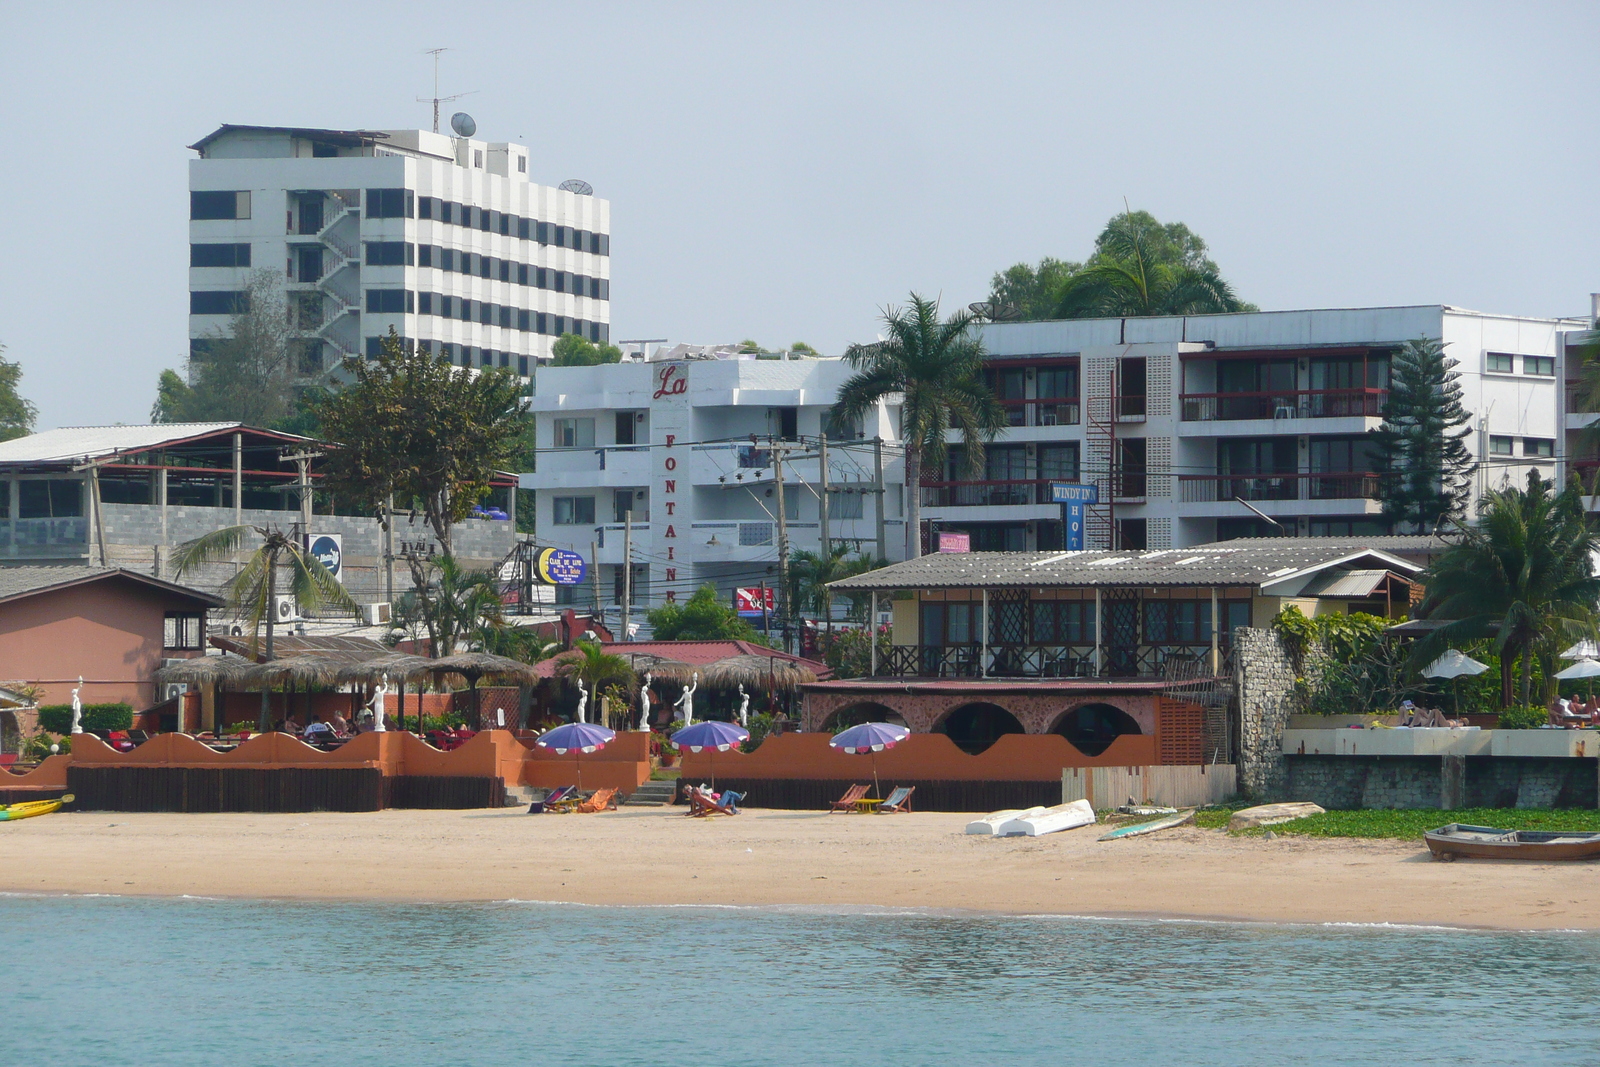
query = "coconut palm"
x=1129 y=277
x=252 y=592
x=810 y=574
x=937 y=368
x=449 y=605
x=1522 y=578
x=594 y=669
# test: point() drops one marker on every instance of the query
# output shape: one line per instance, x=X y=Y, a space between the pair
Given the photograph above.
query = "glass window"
x=1538 y=446
x=1006 y=464
x=209 y=255
x=219 y=205
x=573 y=510
x=1044 y=622
x=1502 y=362
x=574 y=433
x=1059 y=462
x=181 y=630
x=389 y=204
x=958 y=623
x=1499 y=446
x=389 y=301
x=842 y=505
x=522 y=366
x=219 y=303
x=389 y=254
x=1542 y=365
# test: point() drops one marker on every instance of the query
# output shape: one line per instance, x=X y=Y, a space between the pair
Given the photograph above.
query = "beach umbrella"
x=711 y=736
x=578 y=738
x=1584 y=668
x=475 y=665
x=871 y=737
x=1585 y=649
x=1454 y=664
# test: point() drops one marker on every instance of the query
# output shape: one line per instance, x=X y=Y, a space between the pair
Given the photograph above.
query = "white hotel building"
x=444 y=239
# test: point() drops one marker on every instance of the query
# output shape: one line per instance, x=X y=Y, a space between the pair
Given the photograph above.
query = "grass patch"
x=664 y=774
x=1409 y=825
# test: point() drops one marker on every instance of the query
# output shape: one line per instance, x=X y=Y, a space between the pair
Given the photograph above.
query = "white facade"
x=444 y=239
x=1174 y=418
x=687 y=445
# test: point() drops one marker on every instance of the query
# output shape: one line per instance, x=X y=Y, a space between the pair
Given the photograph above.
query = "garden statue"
x=744 y=707
x=376 y=703
x=644 y=703
x=686 y=702
x=77 y=708
x=583 y=702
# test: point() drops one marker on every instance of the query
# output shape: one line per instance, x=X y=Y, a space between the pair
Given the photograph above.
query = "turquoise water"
x=129 y=981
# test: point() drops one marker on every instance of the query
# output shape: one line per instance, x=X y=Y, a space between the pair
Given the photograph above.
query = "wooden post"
x=872 y=636
x=1216 y=660
x=1099 y=631
x=983 y=624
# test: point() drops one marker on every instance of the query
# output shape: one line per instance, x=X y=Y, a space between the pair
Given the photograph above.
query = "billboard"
x=328 y=550
x=955 y=542
x=750 y=602
x=557 y=566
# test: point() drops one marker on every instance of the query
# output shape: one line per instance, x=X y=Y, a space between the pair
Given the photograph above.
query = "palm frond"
x=218 y=546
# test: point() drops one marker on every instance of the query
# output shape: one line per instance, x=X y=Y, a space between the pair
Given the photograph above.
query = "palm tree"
x=1126 y=278
x=254 y=589
x=810 y=574
x=937 y=367
x=1522 y=578
x=450 y=605
x=594 y=669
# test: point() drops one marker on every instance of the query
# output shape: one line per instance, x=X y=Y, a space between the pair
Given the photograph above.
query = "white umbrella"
x=1454 y=664
x=1584 y=668
x=1585 y=649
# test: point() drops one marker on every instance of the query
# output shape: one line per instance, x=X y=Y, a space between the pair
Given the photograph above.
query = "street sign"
x=1072 y=493
x=1073 y=498
x=557 y=566
x=328 y=549
x=955 y=542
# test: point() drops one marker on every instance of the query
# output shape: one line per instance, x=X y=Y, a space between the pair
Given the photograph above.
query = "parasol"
x=871 y=737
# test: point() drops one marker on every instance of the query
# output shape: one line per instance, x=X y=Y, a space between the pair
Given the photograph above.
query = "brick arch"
x=1039 y=713
x=1140 y=709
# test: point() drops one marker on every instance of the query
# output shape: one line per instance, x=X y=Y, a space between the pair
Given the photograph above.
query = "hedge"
x=57 y=718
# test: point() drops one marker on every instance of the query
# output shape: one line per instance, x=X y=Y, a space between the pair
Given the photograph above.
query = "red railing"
x=1329 y=485
x=1287 y=404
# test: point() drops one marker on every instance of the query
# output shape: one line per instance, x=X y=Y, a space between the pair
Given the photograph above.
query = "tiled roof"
x=28 y=580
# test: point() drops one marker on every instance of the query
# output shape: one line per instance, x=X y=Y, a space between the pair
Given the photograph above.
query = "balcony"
x=994 y=493
x=1332 y=485
x=1049 y=661
x=1050 y=411
x=1296 y=404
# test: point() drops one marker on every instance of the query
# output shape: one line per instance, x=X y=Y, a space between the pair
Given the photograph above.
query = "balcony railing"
x=1291 y=404
x=989 y=493
x=1335 y=485
x=1051 y=411
x=1036 y=661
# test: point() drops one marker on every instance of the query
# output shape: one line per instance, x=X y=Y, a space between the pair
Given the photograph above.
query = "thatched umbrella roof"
x=475 y=665
x=670 y=670
x=399 y=666
x=303 y=671
x=204 y=670
x=757 y=672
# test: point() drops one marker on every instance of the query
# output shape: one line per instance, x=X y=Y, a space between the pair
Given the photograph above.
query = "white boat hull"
x=1050 y=820
x=989 y=825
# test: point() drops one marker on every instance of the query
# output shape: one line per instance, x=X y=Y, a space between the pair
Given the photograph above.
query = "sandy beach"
x=656 y=856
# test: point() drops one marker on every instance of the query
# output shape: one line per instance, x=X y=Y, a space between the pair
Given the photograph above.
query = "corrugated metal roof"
x=75 y=444
x=347 y=138
x=28 y=580
x=1344 y=583
x=1230 y=563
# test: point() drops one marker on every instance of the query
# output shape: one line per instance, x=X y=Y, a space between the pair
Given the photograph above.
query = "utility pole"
x=594 y=558
x=784 y=607
x=878 y=489
x=388 y=549
x=822 y=493
x=627 y=570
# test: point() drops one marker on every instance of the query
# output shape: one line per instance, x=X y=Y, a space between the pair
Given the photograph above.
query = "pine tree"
x=1419 y=452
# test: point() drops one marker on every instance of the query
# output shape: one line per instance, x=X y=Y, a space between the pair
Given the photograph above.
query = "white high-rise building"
x=444 y=239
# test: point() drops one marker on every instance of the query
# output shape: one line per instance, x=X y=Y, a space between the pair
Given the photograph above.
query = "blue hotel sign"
x=1073 y=498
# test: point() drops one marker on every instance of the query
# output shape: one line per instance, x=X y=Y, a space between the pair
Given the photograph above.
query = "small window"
x=522 y=366
x=425 y=255
x=389 y=204
x=1543 y=447
x=1501 y=363
x=389 y=254
x=210 y=255
x=477 y=157
x=574 y=433
x=219 y=303
x=181 y=631
x=1499 y=446
x=573 y=510
x=390 y=301
x=1541 y=365
x=843 y=505
x=625 y=421
x=522 y=164
x=218 y=205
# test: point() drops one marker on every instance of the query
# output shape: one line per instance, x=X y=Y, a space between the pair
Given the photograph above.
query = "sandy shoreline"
x=656 y=856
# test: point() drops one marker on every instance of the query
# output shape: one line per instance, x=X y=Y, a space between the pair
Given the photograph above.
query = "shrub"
x=1523 y=717
x=57 y=718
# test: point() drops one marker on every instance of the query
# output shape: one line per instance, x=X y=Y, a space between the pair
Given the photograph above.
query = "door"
x=1122 y=633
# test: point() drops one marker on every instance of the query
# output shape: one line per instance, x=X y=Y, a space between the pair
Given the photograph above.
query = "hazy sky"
x=782 y=173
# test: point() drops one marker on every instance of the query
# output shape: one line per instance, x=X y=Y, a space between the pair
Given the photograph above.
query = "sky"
x=784 y=172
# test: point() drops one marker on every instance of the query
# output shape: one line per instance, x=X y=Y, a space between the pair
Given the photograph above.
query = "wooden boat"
x=1487 y=842
x=1049 y=821
x=1142 y=828
x=27 y=809
x=990 y=824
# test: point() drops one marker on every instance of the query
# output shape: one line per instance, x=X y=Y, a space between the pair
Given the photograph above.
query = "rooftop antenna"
x=436 y=99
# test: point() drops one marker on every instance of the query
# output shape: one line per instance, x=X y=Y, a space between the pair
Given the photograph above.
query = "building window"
x=219 y=255
x=1502 y=363
x=49 y=498
x=389 y=204
x=181 y=631
x=522 y=166
x=1059 y=462
x=522 y=366
x=390 y=301
x=574 y=433
x=477 y=158
x=1543 y=447
x=843 y=505
x=573 y=510
x=219 y=303
x=229 y=205
x=1499 y=446
x=389 y=254
x=1544 y=366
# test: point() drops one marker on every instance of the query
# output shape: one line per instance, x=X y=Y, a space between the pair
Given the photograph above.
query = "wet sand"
x=657 y=856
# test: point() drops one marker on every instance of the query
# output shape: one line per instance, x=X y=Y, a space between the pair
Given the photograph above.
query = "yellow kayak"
x=29 y=808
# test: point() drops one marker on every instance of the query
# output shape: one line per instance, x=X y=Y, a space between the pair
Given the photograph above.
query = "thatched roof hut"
x=757 y=672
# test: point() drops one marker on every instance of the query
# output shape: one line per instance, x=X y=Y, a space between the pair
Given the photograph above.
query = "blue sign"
x=328 y=550
x=557 y=566
x=1071 y=493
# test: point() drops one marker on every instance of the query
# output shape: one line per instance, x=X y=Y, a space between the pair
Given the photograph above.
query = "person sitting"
x=340 y=726
x=317 y=730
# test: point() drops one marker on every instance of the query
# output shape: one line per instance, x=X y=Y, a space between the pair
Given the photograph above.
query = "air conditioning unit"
x=170 y=690
x=375 y=614
x=284 y=609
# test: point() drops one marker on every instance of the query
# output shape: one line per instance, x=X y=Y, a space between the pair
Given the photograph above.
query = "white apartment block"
x=1176 y=420
x=687 y=445
x=444 y=239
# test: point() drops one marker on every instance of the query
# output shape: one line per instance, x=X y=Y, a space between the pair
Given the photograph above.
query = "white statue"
x=583 y=702
x=644 y=703
x=744 y=707
x=376 y=703
x=77 y=708
x=686 y=702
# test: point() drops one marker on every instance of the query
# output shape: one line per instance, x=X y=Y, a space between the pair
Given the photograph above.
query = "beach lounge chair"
x=599 y=800
x=558 y=799
x=701 y=806
x=848 y=801
x=899 y=799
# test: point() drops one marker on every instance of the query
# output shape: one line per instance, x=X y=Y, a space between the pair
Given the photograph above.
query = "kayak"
x=1050 y=820
x=27 y=809
x=1140 y=829
x=989 y=825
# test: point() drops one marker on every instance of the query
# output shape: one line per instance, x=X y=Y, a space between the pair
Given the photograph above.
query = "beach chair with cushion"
x=848 y=801
x=899 y=800
x=562 y=798
x=599 y=800
x=701 y=806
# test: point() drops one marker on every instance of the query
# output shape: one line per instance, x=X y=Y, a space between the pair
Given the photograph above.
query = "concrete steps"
x=520 y=796
x=653 y=794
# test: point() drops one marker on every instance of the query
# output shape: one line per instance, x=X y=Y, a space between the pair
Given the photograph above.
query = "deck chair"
x=599 y=800
x=559 y=799
x=899 y=800
x=848 y=801
x=701 y=806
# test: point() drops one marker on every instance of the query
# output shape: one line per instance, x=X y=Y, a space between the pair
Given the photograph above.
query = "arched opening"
x=1092 y=727
x=856 y=714
x=974 y=727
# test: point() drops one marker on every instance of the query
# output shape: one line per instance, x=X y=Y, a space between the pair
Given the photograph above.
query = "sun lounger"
x=989 y=824
x=848 y=801
x=599 y=800
x=899 y=799
x=701 y=806
x=557 y=799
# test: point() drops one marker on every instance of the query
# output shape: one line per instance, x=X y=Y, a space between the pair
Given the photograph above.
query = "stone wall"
x=1264 y=679
x=1353 y=782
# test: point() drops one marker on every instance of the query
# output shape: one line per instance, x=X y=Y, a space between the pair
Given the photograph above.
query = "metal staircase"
x=1100 y=444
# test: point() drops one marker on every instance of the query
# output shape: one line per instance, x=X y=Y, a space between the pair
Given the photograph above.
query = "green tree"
x=590 y=667
x=423 y=432
x=937 y=367
x=1141 y=267
x=1522 y=579
x=1419 y=451
x=450 y=606
x=703 y=617
x=17 y=415
x=1033 y=291
x=244 y=373
x=810 y=574
x=800 y=348
x=575 y=350
x=252 y=591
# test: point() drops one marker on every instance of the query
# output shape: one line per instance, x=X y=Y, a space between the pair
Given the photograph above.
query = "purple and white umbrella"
x=871 y=737
x=711 y=736
x=576 y=737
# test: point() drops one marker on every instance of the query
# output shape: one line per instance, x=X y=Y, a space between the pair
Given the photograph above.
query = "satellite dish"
x=463 y=124
x=577 y=185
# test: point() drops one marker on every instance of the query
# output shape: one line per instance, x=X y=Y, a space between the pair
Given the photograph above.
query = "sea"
x=117 y=980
